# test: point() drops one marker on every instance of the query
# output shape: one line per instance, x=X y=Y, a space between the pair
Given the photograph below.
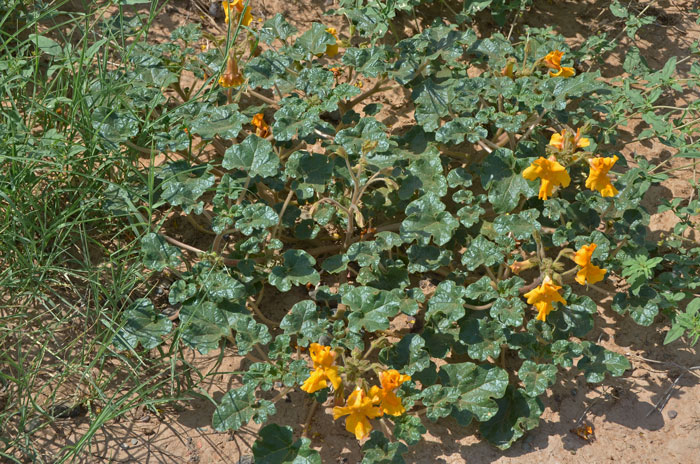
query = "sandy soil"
x=621 y=411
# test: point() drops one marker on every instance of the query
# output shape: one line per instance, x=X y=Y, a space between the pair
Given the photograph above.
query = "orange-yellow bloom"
x=324 y=370
x=239 y=5
x=332 y=50
x=598 y=176
x=385 y=396
x=261 y=128
x=508 y=69
x=551 y=172
x=589 y=272
x=232 y=76
x=543 y=296
x=553 y=61
x=360 y=409
x=557 y=140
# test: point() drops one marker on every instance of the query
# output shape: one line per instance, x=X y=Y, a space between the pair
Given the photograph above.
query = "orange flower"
x=598 y=176
x=508 y=69
x=543 y=296
x=553 y=61
x=557 y=140
x=589 y=273
x=360 y=409
x=332 y=50
x=261 y=128
x=551 y=172
x=232 y=77
x=239 y=5
x=324 y=370
x=385 y=396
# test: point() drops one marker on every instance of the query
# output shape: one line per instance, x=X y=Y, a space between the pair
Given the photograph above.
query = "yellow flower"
x=385 y=396
x=360 y=409
x=557 y=140
x=332 y=50
x=553 y=61
x=238 y=4
x=551 y=172
x=232 y=77
x=261 y=128
x=324 y=370
x=598 y=176
x=589 y=272
x=508 y=69
x=543 y=296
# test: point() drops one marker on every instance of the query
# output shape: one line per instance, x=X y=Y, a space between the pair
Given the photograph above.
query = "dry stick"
x=661 y=404
x=262 y=97
x=282 y=211
x=309 y=416
x=184 y=246
x=478 y=308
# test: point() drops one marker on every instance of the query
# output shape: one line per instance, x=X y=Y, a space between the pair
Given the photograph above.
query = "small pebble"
x=134 y=441
x=247 y=459
x=672 y=414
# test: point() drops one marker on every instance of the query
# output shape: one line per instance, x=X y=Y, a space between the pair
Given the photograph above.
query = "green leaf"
x=481 y=251
x=483 y=337
x=212 y=120
x=310 y=168
x=427 y=258
x=268 y=69
x=143 y=325
x=517 y=413
x=408 y=355
x=427 y=219
x=478 y=386
x=371 y=309
x=204 y=323
x=379 y=450
x=184 y=184
x=508 y=312
x=643 y=308
x=306 y=321
x=254 y=156
x=313 y=42
x=46 y=45
x=371 y=61
x=596 y=361
x=439 y=401
x=537 y=378
x=113 y=125
x=238 y=407
x=220 y=286
x=481 y=290
x=446 y=306
x=249 y=333
x=276 y=28
x=298 y=269
x=257 y=216
x=157 y=254
x=276 y=445
x=408 y=428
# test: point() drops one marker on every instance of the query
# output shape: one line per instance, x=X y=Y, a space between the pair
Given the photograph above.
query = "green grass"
x=68 y=265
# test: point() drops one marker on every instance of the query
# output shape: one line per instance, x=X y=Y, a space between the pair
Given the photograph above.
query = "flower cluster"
x=360 y=406
x=553 y=174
